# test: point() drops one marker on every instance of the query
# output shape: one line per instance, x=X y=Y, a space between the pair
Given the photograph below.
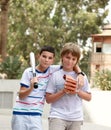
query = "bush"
x=102 y=79
x=12 y=66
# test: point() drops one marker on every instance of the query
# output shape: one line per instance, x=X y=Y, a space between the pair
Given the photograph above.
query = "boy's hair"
x=47 y=48
x=71 y=48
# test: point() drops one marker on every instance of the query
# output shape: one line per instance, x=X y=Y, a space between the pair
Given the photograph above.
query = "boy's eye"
x=47 y=57
x=44 y=56
x=70 y=58
x=50 y=58
x=67 y=57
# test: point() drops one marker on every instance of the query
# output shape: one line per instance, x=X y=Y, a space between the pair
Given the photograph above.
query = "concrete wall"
x=11 y=86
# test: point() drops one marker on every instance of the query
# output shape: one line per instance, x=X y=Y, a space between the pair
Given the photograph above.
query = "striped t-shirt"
x=33 y=104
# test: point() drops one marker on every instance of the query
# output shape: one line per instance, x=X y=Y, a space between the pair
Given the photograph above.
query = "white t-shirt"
x=33 y=104
x=68 y=107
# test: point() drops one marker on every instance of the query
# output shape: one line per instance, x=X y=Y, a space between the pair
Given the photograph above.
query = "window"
x=6 y=100
x=97 y=67
x=98 y=49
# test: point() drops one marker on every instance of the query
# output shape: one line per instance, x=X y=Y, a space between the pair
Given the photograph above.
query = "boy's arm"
x=50 y=98
x=80 y=77
x=77 y=69
x=84 y=95
x=70 y=87
x=24 y=92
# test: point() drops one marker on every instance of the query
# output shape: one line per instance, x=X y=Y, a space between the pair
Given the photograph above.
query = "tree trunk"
x=4 y=4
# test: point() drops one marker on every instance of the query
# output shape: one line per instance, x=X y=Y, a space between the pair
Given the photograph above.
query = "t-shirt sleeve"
x=25 y=80
x=51 y=85
x=86 y=86
x=54 y=68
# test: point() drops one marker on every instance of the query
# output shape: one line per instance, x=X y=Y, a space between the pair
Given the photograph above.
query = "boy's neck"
x=68 y=70
x=40 y=68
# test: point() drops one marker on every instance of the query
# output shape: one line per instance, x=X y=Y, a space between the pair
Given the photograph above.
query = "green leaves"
x=12 y=67
x=102 y=80
x=30 y=25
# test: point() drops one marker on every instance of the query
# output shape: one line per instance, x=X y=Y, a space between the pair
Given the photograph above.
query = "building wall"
x=100 y=57
x=99 y=61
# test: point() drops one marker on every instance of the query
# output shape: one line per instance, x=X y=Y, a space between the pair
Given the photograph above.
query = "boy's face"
x=46 y=59
x=69 y=61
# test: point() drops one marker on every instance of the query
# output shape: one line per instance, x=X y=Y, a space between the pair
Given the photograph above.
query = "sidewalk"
x=99 y=108
x=6 y=119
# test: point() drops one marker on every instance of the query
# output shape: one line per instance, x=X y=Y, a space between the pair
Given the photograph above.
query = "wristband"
x=82 y=73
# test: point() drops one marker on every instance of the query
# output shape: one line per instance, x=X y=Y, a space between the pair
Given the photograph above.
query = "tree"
x=31 y=24
x=3 y=26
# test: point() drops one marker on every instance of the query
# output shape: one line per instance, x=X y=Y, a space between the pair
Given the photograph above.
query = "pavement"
x=97 y=115
x=6 y=119
x=99 y=108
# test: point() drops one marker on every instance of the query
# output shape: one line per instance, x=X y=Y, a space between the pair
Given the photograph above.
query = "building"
x=101 y=50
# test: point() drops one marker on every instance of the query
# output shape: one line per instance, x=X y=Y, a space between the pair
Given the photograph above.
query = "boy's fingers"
x=70 y=79
x=80 y=80
x=66 y=77
x=69 y=91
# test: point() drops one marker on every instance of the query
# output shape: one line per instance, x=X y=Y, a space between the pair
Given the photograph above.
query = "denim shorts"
x=26 y=122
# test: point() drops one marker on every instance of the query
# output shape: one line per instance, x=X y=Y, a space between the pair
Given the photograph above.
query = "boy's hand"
x=33 y=80
x=80 y=79
x=70 y=85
